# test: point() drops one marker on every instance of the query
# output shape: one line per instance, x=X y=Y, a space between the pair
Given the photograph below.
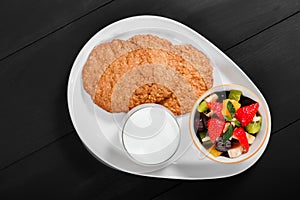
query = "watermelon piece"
x=246 y=114
x=215 y=128
x=216 y=107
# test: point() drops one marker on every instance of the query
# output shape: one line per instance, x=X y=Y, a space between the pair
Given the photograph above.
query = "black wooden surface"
x=41 y=155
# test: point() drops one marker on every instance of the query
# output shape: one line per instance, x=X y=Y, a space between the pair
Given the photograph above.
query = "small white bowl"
x=260 y=137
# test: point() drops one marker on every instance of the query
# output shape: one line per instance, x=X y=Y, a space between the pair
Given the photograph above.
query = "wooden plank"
x=275 y=175
x=28 y=21
x=23 y=22
x=226 y=23
x=34 y=80
x=66 y=170
x=271 y=59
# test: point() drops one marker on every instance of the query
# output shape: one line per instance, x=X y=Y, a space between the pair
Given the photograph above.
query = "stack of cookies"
x=122 y=74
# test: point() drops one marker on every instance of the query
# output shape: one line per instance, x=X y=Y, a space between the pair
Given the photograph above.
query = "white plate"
x=99 y=130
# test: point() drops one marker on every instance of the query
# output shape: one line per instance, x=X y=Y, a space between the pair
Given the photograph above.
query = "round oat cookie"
x=101 y=57
x=109 y=62
x=153 y=84
x=141 y=57
x=199 y=60
x=196 y=58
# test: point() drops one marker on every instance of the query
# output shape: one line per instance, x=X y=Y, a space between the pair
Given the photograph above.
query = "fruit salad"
x=227 y=122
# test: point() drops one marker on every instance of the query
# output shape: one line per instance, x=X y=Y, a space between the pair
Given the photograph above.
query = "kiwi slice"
x=202 y=106
x=202 y=134
x=235 y=94
x=253 y=127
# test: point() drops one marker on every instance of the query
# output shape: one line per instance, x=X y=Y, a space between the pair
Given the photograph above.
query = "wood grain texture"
x=23 y=22
x=66 y=170
x=271 y=60
x=41 y=155
x=34 y=80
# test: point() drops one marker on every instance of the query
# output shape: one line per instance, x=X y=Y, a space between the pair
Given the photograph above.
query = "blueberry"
x=222 y=146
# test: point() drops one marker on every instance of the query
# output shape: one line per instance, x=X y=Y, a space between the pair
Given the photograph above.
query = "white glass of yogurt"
x=150 y=135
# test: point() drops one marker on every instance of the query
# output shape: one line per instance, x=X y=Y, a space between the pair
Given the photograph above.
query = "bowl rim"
x=207 y=153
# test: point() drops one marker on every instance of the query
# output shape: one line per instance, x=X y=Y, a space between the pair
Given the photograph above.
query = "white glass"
x=150 y=134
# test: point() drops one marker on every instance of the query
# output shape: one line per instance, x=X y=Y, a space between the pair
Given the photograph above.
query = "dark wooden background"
x=41 y=156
